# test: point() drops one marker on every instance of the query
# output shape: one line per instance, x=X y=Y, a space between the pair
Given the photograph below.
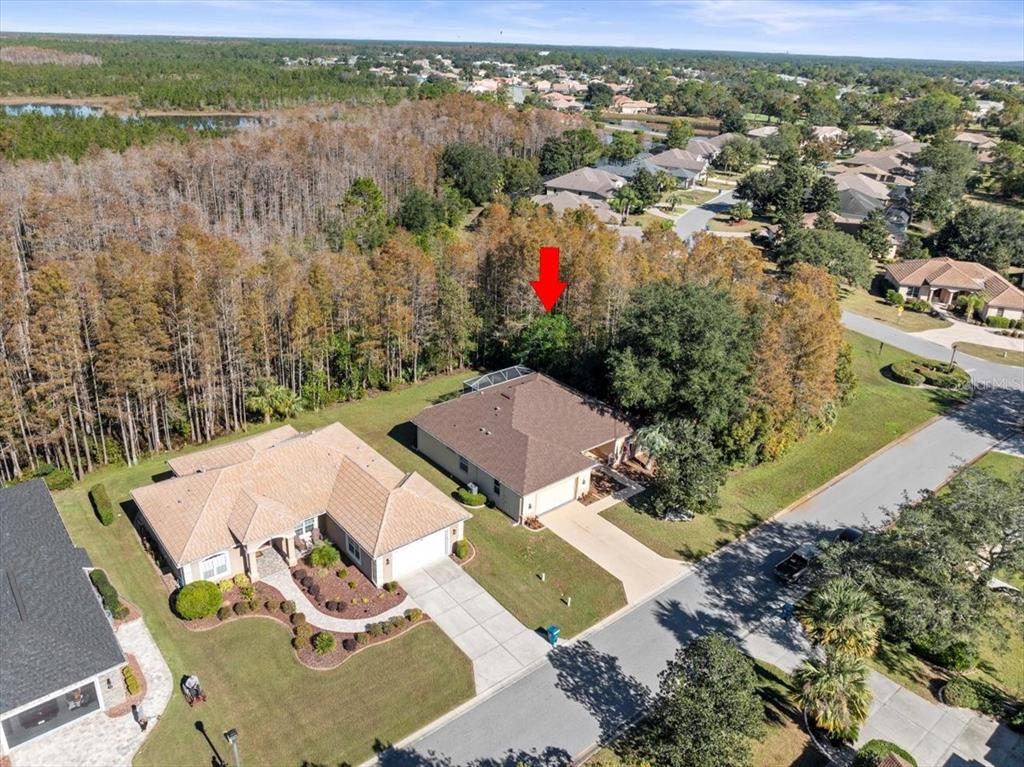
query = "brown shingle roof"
x=528 y=433
x=279 y=484
x=958 y=275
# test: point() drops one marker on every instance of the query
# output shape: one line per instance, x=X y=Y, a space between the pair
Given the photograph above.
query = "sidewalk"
x=97 y=740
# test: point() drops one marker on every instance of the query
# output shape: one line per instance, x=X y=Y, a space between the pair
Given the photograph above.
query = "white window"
x=305 y=528
x=353 y=550
x=214 y=567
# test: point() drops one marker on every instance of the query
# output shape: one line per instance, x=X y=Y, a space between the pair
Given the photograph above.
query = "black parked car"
x=796 y=564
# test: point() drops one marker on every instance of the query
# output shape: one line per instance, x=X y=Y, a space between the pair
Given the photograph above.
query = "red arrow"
x=548 y=288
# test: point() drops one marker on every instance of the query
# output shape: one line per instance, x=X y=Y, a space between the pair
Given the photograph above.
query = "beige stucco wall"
x=509 y=501
x=568 y=489
x=1011 y=314
x=236 y=564
x=333 y=530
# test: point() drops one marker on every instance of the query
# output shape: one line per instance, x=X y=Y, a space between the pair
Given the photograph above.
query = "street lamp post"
x=952 y=358
x=231 y=736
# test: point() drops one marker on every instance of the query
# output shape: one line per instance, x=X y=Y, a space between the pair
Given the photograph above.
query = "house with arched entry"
x=257 y=505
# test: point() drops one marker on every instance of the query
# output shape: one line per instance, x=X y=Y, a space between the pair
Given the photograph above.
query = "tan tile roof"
x=563 y=200
x=863 y=184
x=680 y=158
x=231 y=453
x=527 y=433
x=591 y=180
x=958 y=275
x=279 y=484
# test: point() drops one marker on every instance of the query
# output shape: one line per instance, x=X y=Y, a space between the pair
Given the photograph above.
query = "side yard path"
x=497 y=643
x=99 y=740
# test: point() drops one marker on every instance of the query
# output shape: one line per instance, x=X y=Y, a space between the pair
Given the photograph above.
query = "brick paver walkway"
x=97 y=740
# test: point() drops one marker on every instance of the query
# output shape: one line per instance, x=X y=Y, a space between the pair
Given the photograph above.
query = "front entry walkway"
x=97 y=739
x=497 y=643
x=641 y=571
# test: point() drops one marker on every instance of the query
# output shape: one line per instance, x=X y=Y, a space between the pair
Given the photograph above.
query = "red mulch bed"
x=363 y=600
x=263 y=594
x=307 y=656
x=125 y=707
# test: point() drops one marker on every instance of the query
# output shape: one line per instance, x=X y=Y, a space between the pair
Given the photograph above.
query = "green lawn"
x=784 y=742
x=874 y=307
x=1003 y=465
x=251 y=675
x=992 y=354
x=723 y=222
x=692 y=196
x=881 y=412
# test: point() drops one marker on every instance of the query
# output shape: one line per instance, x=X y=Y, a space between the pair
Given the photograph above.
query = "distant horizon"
x=501 y=44
x=954 y=31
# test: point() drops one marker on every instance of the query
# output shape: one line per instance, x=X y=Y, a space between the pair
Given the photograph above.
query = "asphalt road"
x=695 y=220
x=589 y=688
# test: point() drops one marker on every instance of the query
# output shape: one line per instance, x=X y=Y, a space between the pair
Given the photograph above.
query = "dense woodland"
x=170 y=293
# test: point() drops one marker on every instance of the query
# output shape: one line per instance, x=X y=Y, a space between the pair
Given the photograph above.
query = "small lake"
x=195 y=122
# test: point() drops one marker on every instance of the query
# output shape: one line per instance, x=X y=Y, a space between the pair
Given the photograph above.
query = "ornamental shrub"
x=307 y=582
x=242 y=581
x=225 y=585
x=391 y=587
x=341 y=572
x=362 y=637
x=959 y=655
x=199 y=599
x=224 y=613
x=905 y=373
x=324 y=643
x=324 y=554
x=304 y=632
x=101 y=504
x=894 y=297
x=119 y=612
x=331 y=605
x=248 y=592
x=375 y=630
x=959 y=692
x=352 y=584
x=299 y=644
x=241 y=608
x=108 y=594
x=873 y=752
x=298 y=619
x=300 y=575
x=397 y=622
x=413 y=614
x=272 y=605
x=998 y=322
x=131 y=682
x=314 y=591
x=288 y=607
x=461 y=548
x=470 y=499
x=349 y=644
x=918 y=305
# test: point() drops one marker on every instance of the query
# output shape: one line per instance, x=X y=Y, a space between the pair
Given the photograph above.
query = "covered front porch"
x=280 y=551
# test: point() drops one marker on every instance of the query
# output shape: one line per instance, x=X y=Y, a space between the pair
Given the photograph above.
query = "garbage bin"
x=553 y=632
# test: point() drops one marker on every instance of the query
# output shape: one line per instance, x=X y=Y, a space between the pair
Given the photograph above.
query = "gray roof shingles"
x=53 y=631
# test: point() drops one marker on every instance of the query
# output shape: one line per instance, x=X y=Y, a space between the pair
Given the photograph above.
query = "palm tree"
x=259 y=398
x=286 y=402
x=842 y=618
x=835 y=693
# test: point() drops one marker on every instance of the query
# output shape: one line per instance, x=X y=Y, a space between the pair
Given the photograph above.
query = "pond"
x=195 y=122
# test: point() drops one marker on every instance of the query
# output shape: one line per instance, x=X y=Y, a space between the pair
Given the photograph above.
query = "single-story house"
x=559 y=202
x=589 y=182
x=709 y=146
x=256 y=505
x=828 y=133
x=894 y=160
x=979 y=142
x=863 y=184
x=526 y=441
x=694 y=165
x=893 y=136
x=562 y=103
x=629 y=106
x=58 y=651
x=942 y=280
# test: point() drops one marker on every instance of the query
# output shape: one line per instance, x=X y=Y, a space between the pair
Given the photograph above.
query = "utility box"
x=553 y=632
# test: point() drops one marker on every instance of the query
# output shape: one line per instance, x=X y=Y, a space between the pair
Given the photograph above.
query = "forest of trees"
x=170 y=293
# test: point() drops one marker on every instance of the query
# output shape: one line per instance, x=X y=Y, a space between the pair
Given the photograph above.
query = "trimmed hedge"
x=131 y=682
x=470 y=499
x=938 y=374
x=108 y=594
x=102 y=504
x=873 y=752
x=998 y=322
x=461 y=548
x=905 y=373
x=199 y=599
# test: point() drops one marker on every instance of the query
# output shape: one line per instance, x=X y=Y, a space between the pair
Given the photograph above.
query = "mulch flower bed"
x=469 y=556
x=347 y=644
x=125 y=706
x=344 y=591
x=601 y=486
x=263 y=594
x=532 y=523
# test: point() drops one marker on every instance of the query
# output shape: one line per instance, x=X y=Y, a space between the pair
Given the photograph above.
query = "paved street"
x=695 y=220
x=588 y=689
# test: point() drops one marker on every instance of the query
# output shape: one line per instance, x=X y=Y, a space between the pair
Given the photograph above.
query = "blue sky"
x=991 y=30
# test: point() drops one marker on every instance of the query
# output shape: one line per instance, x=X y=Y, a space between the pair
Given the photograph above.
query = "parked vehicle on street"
x=790 y=569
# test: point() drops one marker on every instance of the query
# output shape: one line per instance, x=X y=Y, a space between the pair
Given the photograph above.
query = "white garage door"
x=556 y=495
x=418 y=554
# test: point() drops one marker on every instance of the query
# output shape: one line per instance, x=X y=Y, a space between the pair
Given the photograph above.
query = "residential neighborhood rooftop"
x=958 y=275
x=53 y=630
x=287 y=478
x=528 y=432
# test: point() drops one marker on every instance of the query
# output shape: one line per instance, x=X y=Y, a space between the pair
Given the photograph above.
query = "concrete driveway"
x=962 y=332
x=641 y=571
x=497 y=643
